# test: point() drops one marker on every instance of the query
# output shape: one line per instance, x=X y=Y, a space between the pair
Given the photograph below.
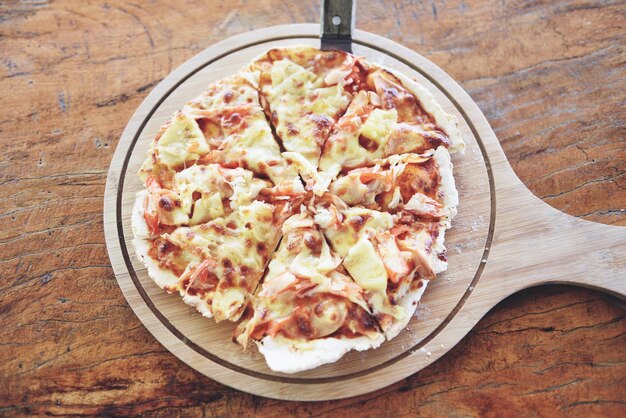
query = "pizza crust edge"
x=449 y=123
x=283 y=355
x=163 y=278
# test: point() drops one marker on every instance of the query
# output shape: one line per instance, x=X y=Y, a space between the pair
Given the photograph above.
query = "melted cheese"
x=207 y=208
x=314 y=181
x=213 y=183
x=302 y=268
x=290 y=78
x=303 y=108
x=444 y=120
x=304 y=253
x=233 y=91
x=328 y=100
x=387 y=184
x=236 y=127
x=256 y=146
x=182 y=142
x=358 y=222
x=378 y=127
x=351 y=240
x=358 y=142
x=167 y=206
x=296 y=255
x=361 y=186
x=238 y=185
x=228 y=303
x=396 y=198
x=307 y=265
x=232 y=242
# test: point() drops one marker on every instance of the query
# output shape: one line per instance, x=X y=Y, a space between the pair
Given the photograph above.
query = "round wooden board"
x=449 y=307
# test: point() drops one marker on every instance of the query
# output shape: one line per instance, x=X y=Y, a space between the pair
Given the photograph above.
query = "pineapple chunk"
x=366 y=267
x=182 y=142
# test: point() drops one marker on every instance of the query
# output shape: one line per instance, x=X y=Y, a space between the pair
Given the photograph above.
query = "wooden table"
x=550 y=78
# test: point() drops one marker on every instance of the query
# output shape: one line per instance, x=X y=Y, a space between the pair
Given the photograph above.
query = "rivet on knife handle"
x=338 y=24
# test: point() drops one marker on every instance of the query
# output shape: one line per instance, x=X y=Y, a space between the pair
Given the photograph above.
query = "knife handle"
x=337 y=24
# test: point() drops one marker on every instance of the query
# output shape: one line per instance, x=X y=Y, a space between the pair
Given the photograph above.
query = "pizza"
x=305 y=199
x=308 y=299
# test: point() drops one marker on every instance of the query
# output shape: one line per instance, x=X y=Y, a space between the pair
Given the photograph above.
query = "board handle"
x=534 y=243
x=337 y=24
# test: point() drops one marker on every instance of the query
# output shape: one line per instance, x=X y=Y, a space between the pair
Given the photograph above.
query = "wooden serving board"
x=503 y=239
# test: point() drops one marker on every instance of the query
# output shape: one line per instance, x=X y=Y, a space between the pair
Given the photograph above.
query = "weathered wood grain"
x=549 y=76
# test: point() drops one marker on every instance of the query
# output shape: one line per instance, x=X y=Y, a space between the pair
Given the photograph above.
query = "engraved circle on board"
x=465 y=241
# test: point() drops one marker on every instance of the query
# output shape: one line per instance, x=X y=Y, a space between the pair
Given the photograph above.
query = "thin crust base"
x=448 y=122
x=287 y=356
x=409 y=302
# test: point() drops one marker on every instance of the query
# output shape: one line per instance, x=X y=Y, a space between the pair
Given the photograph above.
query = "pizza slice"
x=225 y=125
x=391 y=249
x=215 y=265
x=304 y=92
x=351 y=232
x=197 y=195
x=422 y=184
x=308 y=312
x=391 y=115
